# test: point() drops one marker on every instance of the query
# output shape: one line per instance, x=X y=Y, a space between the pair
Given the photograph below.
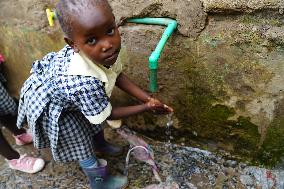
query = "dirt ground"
x=190 y=168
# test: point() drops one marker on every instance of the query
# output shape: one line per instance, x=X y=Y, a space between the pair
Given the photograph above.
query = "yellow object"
x=50 y=16
x=114 y=124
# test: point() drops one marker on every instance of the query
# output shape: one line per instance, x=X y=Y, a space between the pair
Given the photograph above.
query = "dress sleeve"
x=90 y=98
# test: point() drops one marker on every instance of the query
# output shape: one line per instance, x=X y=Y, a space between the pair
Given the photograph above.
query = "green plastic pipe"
x=154 y=57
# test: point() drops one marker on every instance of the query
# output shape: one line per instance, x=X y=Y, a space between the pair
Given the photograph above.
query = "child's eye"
x=91 y=41
x=110 y=31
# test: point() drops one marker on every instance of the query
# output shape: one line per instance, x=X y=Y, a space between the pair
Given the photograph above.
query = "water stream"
x=168 y=146
x=143 y=152
x=169 y=124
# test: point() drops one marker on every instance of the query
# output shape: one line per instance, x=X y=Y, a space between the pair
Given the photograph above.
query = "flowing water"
x=168 y=145
x=169 y=182
x=169 y=124
x=143 y=152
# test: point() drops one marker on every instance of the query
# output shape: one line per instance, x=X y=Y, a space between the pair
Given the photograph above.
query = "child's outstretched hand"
x=158 y=107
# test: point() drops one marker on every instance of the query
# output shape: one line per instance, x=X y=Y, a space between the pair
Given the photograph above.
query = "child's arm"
x=122 y=112
x=153 y=104
x=125 y=84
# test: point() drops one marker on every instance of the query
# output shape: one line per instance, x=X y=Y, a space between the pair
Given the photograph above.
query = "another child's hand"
x=2 y=60
x=158 y=107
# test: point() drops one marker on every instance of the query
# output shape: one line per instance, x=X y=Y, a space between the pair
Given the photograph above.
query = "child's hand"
x=158 y=107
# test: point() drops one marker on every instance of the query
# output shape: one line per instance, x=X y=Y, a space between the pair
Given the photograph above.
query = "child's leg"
x=8 y=111
x=89 y=163
x=8 y=117
x=7 y=106
x=20 y=135
x=102 y=146
x=6 y=150
x=19 y=162
x=9 y=121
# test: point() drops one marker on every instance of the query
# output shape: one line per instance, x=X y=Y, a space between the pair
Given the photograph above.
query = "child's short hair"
x=65 y=9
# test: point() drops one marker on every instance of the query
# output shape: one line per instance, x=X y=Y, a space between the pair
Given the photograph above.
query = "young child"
x=66 y=98
x=8 y=117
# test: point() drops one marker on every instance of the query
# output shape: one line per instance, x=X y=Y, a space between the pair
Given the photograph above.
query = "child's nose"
x=106 y=46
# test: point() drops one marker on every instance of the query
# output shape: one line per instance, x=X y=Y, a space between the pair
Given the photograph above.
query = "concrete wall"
x=222 y=70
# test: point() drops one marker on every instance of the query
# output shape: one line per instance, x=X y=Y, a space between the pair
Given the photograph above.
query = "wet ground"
x=190 y=168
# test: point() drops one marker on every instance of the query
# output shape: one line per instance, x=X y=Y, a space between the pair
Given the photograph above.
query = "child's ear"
x=71 y=43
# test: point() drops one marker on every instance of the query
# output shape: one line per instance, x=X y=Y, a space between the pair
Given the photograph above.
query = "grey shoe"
x=99 y=178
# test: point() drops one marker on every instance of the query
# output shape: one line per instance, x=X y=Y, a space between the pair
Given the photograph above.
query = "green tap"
x=154 y=57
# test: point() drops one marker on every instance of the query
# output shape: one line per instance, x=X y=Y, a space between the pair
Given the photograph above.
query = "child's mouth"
x=112 y=57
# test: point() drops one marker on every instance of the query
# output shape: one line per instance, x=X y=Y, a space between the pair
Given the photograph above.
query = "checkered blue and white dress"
x=56 y=105
x=7 y=104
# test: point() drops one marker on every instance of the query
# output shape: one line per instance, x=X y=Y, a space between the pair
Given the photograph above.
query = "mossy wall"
x=224 y=86
x=223 y=77
x=21 y=46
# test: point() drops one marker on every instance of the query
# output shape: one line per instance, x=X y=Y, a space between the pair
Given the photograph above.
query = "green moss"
x=246 y=137
x=272 y=150
x=256 y=19
x=213 y=41
x=248 y=19
x=220 y=112
x=198 y=111
x=211 y=123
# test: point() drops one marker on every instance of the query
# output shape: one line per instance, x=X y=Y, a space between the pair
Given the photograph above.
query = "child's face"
x=96 y=35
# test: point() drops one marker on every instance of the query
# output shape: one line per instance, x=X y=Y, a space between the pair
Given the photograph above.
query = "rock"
x=230 y=163
x=246 y=180
x=188 y=13
x=240 y=5
x=163 y=186
x=242 y=165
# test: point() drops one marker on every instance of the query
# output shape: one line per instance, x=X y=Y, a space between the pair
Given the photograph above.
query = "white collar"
x=82 y=65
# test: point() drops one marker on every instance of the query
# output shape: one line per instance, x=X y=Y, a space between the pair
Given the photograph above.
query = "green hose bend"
x=155 y=55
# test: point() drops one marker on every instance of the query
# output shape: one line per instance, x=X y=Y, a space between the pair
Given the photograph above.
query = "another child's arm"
x=2 y=60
